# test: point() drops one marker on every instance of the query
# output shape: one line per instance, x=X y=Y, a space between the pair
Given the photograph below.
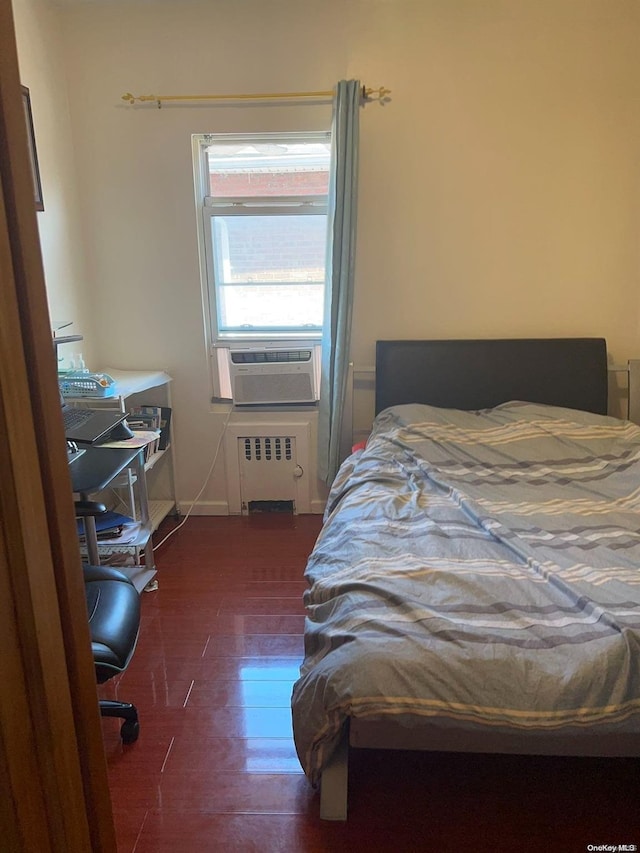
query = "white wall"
x=42 y=70
x=144 y=258
x=499 y=188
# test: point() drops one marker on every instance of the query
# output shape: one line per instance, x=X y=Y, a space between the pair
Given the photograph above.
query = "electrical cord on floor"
x=204 y=485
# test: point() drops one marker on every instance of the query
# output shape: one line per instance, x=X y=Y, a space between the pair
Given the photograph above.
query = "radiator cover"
x=267 y=462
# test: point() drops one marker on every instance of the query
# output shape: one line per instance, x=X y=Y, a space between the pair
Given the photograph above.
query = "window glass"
x=265 y=234
x=269 y=271
x=262 y=170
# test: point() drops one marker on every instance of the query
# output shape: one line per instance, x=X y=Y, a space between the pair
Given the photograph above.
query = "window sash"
x=227 y=295
x=275 y=206
x=223 y=333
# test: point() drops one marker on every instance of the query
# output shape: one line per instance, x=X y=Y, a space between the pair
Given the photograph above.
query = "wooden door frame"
x=52 y=761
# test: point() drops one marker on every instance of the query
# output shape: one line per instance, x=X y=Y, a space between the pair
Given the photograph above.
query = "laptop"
x=88 y=426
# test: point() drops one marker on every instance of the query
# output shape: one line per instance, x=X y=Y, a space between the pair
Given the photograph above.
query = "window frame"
x=208 y=207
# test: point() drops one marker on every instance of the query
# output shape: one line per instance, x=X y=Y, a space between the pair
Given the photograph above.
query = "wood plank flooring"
x=215 y=768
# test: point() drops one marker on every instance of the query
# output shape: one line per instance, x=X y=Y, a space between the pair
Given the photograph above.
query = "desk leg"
x=90 y=536
x=143 y=498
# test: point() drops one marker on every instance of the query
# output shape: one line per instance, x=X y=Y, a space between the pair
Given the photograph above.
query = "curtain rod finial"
x=381 y=94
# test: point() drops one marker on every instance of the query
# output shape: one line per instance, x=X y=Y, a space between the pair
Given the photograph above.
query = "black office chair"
x=113 y=605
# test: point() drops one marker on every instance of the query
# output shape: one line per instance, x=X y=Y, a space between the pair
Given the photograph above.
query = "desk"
x=92 y=472
x=142 y=388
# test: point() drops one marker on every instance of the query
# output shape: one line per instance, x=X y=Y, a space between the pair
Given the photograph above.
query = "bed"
x=476 y=583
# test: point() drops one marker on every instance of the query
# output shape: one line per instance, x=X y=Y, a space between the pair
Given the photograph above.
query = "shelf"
x=123 y=481
x=158 y=511
x=138 y=575
x=130 y=382
x=127 y=382
x=139 y=536
x=155 y=457
x=135 y=383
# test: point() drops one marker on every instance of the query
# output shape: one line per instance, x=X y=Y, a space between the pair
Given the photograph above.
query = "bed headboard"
x=480 y=374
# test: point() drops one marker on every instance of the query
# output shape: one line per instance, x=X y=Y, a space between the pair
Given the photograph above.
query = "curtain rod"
x=380 y=94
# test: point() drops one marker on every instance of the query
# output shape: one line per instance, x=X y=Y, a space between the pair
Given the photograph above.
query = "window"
x=264 y=224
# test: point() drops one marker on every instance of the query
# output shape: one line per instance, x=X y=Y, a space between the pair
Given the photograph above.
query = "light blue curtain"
x=338 y=304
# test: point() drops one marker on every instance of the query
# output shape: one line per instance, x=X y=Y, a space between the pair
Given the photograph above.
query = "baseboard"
x=222 y=508
x=204 y=508
x=317 y=507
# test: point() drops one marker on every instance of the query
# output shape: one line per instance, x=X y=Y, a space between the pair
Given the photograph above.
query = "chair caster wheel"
x=129 y=731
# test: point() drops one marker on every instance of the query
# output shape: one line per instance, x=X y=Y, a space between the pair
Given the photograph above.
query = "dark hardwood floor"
x=215 y=768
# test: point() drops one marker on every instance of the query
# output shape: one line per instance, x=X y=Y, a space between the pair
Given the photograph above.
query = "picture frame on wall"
x=33 y=154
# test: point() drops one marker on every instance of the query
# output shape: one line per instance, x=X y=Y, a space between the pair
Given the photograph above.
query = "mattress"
x=478 y=571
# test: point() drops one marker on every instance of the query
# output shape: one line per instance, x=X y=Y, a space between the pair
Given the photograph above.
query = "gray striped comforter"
x=478 y=569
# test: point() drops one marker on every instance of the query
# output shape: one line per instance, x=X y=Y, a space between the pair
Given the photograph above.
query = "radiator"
x=267 y=463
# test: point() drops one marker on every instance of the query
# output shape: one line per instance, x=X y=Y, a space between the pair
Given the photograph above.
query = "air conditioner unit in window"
x=269 y=376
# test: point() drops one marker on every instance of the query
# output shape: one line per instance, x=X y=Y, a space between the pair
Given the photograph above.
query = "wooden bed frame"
x=478 y=374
